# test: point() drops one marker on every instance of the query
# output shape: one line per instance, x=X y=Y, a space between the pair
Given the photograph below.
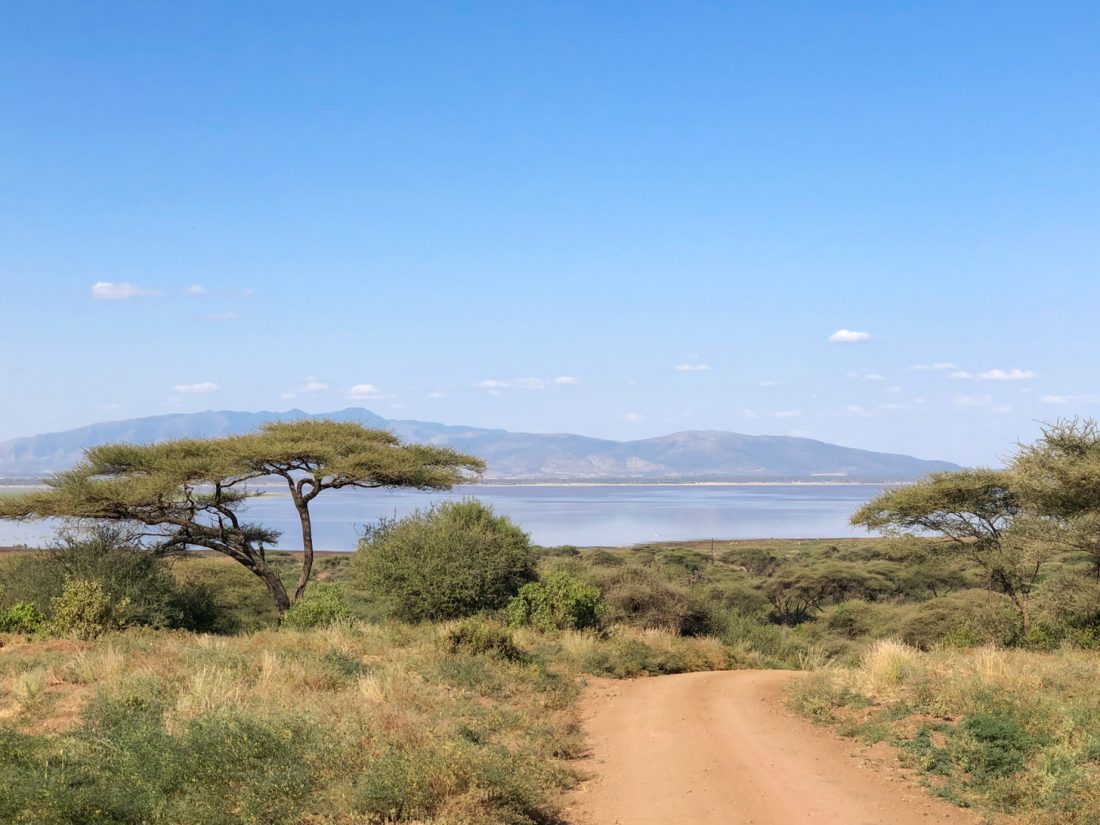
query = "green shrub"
x=556 y=602
x=643 y=598
x=453 y=560
x=482 y=637
x=128 y=573
x=992 y=745
x=21 y=617
x=963 y=619
x=322 y=606
x=84 y=611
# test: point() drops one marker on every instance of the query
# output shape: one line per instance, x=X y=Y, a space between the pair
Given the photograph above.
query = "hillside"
x=685 y=456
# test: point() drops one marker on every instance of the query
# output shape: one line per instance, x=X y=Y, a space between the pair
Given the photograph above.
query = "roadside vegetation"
x=431 y=675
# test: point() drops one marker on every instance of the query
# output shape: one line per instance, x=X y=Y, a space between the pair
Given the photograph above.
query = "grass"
x=1003 y=731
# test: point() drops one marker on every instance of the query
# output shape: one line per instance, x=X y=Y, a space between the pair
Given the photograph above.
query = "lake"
x=609 y=515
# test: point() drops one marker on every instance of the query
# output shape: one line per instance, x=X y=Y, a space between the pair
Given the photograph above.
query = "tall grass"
x=1007 y=731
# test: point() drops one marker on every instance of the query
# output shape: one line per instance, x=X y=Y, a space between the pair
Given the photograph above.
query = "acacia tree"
x=981 y=512
x=1060 y=476
x=188 y=493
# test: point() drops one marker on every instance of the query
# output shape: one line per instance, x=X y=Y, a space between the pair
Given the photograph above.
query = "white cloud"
x=849 y=336
x=866 y=376
x=892 y=407
x=692 y=368
x=196 y=290
x=1054 y=399
x=938 y=365
x=893 y=389
x=107 y=291
x=960 y=375
x=313 y=385
x=202 y=386
x=856 y=409
x=361 y=392
x=787 y=414
x=248 y=293
x=769 y=383
x=1007 y=375
x=634 y=417
x=973 y=401
x=437 y=394
x=496 y=385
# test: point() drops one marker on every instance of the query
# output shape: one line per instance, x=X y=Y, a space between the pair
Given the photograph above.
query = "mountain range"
x=697 y=455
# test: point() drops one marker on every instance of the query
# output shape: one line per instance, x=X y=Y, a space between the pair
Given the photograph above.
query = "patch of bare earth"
x=720 y=748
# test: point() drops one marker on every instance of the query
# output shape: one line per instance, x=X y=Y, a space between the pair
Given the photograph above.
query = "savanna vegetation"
x=430 y=676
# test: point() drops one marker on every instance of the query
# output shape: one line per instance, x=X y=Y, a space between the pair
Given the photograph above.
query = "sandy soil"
x=721 y=749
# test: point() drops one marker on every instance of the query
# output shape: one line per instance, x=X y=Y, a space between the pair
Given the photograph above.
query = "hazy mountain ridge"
x=686 y=456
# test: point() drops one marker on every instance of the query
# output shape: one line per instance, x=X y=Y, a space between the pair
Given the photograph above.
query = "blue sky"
x=620 y=219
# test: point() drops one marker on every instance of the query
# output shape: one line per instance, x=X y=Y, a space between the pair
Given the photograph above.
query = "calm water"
x=610 y=515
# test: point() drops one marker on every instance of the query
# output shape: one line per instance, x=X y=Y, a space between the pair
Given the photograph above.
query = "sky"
x=875 y=224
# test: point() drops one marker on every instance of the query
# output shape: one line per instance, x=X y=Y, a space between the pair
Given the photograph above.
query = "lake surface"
x=609 y=515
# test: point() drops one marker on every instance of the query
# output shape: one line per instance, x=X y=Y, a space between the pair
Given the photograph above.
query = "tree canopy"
x=189 y=492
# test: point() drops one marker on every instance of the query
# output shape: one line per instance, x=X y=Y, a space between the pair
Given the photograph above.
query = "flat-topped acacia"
x=188 y=492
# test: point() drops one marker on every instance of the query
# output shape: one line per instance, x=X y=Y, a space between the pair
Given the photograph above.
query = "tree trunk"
x=273 y=583
x=307 y=547
x=1025 y=613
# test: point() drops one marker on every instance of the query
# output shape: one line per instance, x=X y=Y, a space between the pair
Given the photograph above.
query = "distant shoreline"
x=23 y=485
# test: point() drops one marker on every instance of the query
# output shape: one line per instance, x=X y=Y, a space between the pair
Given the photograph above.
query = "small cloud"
x=973 y=401
x=893 y=407
x=960 y=376
x=496 y=385
x=849 y=336
x=107 y=291
x=288 y=396
x=634 y=417
x=692 y=368
x=196 y=290
x=361 y=392
x=893 y=389
x=436 y=394
x=769 y=383
x=313 y=385
x=856 y=409
x=787 y=414
x=1054 y=399
x=248 y=293
x=750 y=413
x=938 y=365
x=866 y=376
x=202 y=386
x=1007 y=375
x=109 y=407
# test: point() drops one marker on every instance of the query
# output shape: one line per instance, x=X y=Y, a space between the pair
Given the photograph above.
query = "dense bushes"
x=557 y=601
x=453 y=560
x=643 y=598
x=136 y=581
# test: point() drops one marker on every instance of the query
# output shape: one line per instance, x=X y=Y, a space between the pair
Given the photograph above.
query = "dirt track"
x=720 y=749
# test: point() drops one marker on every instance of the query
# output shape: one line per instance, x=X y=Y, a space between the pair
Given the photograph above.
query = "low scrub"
x=1007 y=731
x=557 y=601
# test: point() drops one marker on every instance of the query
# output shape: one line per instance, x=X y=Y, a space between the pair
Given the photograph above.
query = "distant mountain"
x=708 y=455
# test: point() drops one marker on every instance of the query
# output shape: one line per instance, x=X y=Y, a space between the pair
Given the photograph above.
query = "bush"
x=21 y=617
x=84 y=611
x=451 y=561
x=556 y=602
x=642 y=598
x=127 y=572
x=481 y=637
x=963 y=619
x=323 y=606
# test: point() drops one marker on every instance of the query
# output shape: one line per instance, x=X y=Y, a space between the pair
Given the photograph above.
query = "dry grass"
x=1008 y=731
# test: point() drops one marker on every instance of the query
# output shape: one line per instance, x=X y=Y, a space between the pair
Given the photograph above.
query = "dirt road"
x=720 y=749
